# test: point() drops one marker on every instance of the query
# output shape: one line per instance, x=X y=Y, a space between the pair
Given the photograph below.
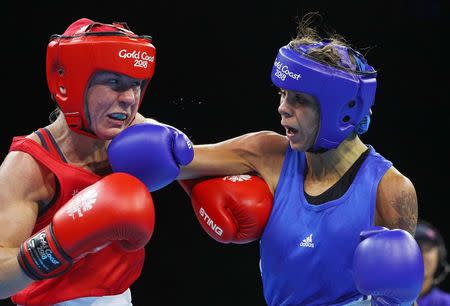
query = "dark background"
x=212 y=80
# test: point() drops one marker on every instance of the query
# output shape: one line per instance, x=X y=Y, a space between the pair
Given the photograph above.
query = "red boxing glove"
x=231 y=209
x=119 y=208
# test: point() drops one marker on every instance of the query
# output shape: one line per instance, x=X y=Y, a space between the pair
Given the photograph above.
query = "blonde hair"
x=307 y=34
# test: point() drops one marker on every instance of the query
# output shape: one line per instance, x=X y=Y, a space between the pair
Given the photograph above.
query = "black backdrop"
x=212 y=81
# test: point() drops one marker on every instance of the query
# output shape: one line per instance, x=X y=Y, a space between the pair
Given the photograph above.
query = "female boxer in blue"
x=339 y=231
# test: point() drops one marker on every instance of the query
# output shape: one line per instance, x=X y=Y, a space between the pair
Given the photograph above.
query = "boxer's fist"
x=152 y=152
x=117 y=208
x=388 y=265
x=231 y=209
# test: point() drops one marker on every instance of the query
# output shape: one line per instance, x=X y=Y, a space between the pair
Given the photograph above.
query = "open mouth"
x=290 y=131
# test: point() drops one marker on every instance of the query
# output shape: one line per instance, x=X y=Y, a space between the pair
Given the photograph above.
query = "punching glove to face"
x=388 y=265
x=231 y=209
x=117 y=208
x=152 y=152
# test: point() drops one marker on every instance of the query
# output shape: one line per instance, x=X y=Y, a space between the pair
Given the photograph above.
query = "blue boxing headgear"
x=345 y=94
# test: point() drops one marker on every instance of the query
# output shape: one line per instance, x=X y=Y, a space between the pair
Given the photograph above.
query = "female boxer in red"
x=73 y=229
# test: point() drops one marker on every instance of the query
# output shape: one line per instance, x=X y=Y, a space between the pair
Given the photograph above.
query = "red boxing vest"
x=110 y=271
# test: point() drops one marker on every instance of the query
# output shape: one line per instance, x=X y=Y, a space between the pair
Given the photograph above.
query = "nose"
x=284 y=109
x=128 y=97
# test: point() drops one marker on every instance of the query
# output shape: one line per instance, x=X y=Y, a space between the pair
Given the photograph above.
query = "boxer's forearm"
x=12 y=278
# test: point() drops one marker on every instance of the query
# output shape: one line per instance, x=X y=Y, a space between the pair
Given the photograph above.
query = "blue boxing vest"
x=307 y=250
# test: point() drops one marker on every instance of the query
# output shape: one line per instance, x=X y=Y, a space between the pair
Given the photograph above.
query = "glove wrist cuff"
x=41 y=257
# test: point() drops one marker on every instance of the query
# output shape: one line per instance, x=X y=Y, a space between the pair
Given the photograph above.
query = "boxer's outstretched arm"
x=248 y=153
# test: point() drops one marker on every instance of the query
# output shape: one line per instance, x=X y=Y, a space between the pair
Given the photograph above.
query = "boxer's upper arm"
x=396 y=202
x=21 y=187
x=242 y=154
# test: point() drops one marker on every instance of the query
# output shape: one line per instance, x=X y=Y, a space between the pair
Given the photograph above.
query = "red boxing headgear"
x=85 y=48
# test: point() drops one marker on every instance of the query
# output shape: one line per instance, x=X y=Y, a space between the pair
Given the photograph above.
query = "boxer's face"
x=300 y=117
x=112 y=103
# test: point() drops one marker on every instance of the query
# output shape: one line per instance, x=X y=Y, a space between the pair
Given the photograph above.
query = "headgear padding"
x=345 y=94
x=85 y=48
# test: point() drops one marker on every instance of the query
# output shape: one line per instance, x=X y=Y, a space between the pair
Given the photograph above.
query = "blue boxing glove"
x=152 y=152
x=388 y=265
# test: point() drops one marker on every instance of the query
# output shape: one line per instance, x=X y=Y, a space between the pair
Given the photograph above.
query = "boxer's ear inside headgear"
x=347 y=56
x=85 y=48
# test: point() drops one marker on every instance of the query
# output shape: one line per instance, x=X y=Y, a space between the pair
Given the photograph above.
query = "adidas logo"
x=307 y=242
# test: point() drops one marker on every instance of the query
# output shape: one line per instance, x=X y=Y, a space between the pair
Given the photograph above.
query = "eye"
x=300 y=99
x=282 y=92
x=113 y=81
